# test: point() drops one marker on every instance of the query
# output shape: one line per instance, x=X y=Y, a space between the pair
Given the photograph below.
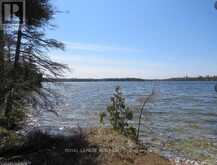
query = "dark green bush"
x=119 y=115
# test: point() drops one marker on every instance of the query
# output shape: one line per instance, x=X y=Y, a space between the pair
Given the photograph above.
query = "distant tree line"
x=199 y=78
x=89 y=79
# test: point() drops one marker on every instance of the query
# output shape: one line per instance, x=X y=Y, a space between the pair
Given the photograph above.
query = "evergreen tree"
x=24 y=61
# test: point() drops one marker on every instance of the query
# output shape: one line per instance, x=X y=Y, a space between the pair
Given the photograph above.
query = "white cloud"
x=98 y=47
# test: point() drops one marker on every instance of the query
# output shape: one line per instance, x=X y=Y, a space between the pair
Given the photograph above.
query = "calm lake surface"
x=181 y=119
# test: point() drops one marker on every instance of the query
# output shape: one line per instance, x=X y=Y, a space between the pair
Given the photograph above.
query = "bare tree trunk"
x=18 y=45
x=9 y=53
x=1 y=48
x=141 y=112
x=8 y=107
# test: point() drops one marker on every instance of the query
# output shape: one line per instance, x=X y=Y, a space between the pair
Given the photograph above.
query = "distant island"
x=199 y=78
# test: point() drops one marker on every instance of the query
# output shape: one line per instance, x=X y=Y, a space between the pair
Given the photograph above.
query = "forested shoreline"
x=200 y=78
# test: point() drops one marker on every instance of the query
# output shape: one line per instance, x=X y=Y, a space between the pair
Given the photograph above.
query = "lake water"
x=180 y=120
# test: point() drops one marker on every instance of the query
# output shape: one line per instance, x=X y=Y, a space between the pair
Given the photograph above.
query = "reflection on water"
x=181 y=111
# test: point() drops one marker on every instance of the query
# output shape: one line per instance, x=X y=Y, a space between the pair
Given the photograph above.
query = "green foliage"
x=16 y=87
x=14 y=119
x=102 y=115
x=131 y=132
x=8 y=138
x=119 y=115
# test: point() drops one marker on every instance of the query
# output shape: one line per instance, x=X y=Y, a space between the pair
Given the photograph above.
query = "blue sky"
x=137 y=38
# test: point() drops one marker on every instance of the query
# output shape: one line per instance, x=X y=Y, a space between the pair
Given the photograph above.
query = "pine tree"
x=24 y=61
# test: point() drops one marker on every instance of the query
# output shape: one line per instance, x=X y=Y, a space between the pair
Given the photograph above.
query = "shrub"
x=102 y=115
x=119 y=115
